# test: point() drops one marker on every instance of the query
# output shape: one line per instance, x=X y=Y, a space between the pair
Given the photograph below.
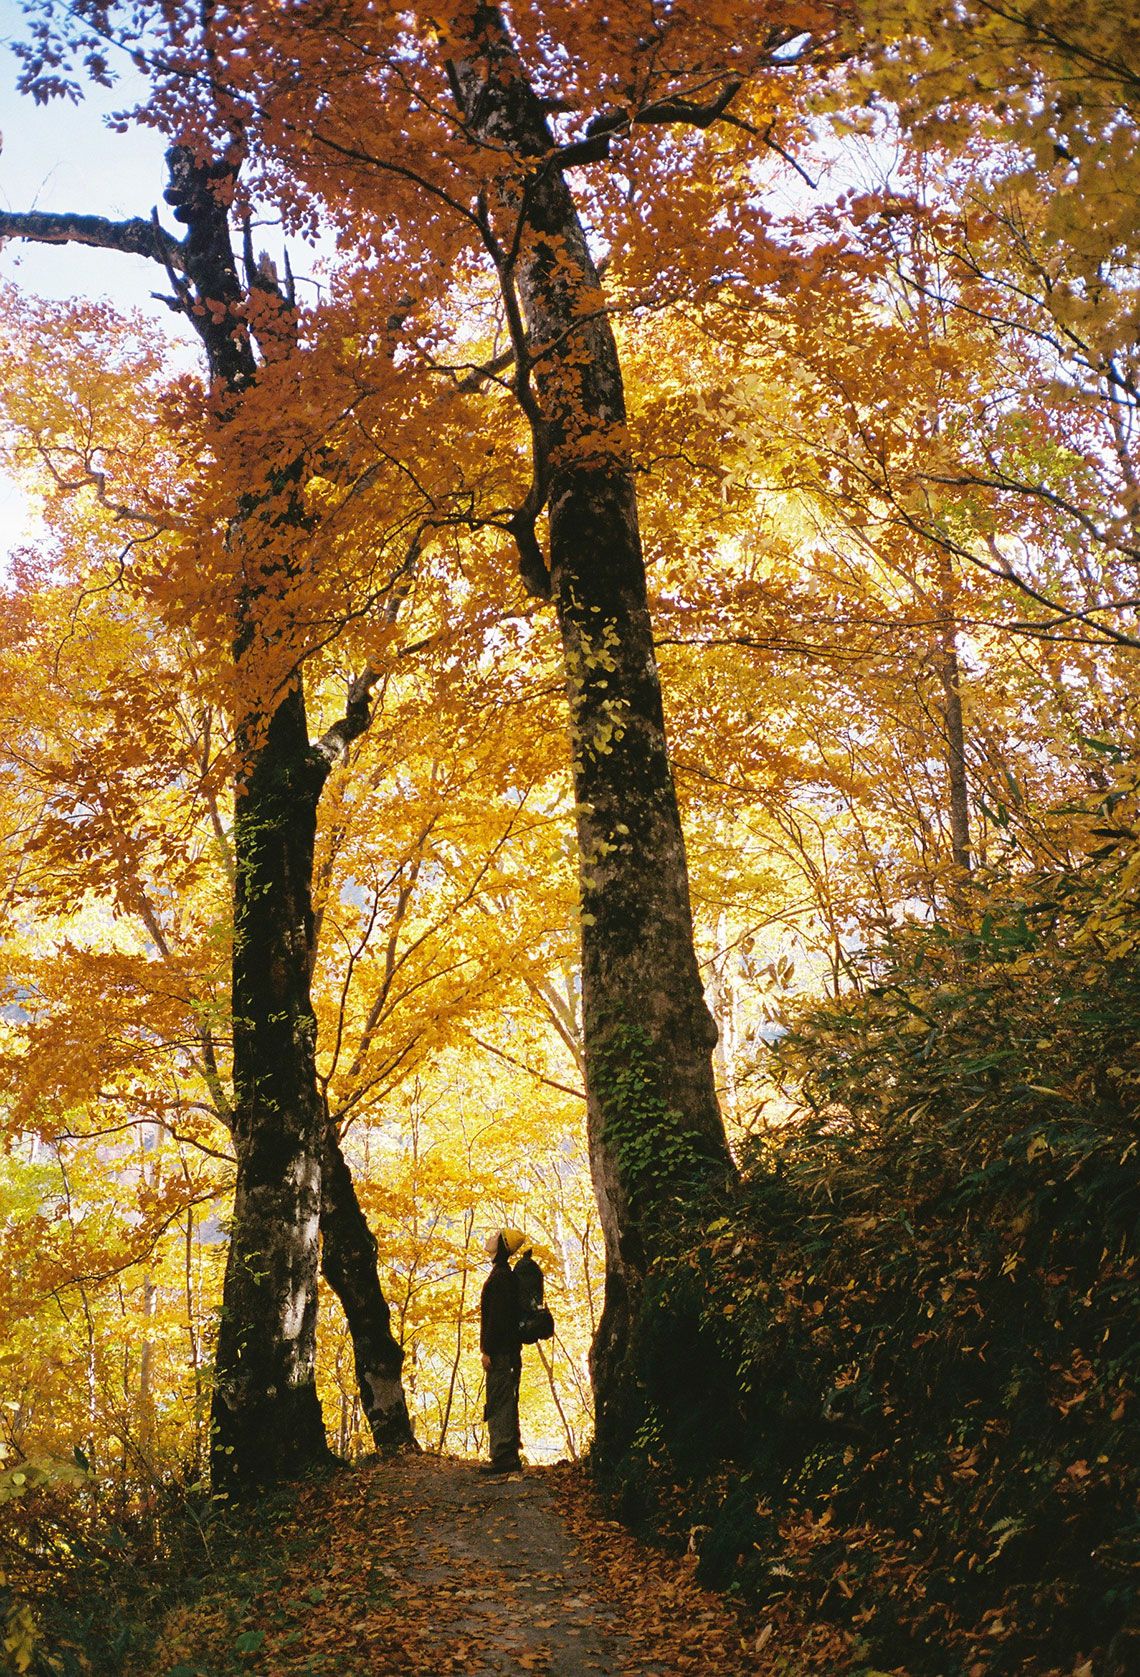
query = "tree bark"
x=293 y=1181
x=955 y=755
x=654 y=1127
x=266 y=1420
x=950 y=676
x=348 y=1260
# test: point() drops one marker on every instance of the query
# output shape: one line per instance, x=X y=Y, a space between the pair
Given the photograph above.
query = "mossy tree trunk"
x=266 y=1422
x=295 y=1205
x=655 y=1130
x=293 y=1181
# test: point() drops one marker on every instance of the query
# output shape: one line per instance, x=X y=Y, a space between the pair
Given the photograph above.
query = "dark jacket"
x=499 y=1312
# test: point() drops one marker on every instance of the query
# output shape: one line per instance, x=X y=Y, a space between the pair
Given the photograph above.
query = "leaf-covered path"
x=426 y=1566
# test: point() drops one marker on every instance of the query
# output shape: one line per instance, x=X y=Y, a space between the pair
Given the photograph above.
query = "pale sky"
x=62 y=157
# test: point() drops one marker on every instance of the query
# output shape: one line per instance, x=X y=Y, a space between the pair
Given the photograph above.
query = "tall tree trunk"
x=950 y=676
x=655 y=1131
x=266 y=1421
x=266 y=1418
x=348 y=1260
x=950 y=673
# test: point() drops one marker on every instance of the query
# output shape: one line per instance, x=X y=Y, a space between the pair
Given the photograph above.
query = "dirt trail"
x=425 y=1566
x=512 y=1590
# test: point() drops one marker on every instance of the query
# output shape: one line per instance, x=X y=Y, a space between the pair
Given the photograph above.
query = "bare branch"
x=539 y=1076
x=335 y=741
x=135 y=237
x=686 y=112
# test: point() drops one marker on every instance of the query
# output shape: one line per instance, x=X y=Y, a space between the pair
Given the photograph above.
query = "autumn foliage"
x=666 y=559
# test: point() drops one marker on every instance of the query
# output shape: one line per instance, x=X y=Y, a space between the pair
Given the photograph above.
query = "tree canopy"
x=604 y=702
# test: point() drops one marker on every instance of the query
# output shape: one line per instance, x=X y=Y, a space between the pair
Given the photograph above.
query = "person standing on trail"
x=501 y=1346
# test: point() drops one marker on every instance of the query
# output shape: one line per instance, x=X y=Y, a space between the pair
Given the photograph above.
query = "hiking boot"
x=500 y=1468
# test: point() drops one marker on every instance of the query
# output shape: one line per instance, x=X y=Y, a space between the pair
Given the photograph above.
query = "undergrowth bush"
x=919 y=1322
x=99 y=1572
x=83 y=1562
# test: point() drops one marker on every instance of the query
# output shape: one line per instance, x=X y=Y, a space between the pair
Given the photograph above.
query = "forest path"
x=425 y=1566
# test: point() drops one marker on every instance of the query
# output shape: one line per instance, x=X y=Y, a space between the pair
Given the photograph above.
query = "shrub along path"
x=425 y=1566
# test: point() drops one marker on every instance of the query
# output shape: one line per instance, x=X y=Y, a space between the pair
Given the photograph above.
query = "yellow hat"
x=512 y=1239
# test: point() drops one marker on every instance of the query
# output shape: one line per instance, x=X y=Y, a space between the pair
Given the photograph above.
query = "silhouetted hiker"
x=499 y=1341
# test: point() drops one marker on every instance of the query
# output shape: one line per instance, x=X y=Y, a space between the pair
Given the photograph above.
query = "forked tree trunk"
x=293 y=1180
x=266 y=1421
x=294 y=1183
x=292 y=1176
x=655 y=1130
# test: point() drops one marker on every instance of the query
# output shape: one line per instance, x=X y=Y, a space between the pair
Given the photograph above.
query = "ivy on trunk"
x=638 y=960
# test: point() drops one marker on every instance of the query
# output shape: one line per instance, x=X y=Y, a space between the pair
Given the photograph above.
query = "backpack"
x=535 y=1320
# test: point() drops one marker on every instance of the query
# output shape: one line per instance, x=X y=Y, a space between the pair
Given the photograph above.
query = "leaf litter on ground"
x=423 y=1565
